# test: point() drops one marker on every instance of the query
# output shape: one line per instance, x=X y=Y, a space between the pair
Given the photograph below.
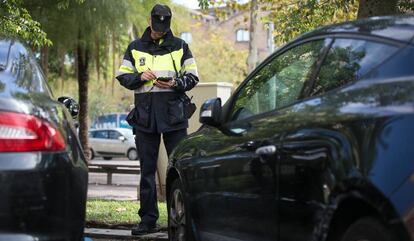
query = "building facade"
x=235 y=28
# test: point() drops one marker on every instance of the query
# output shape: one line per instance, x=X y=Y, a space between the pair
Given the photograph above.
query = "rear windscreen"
x=22 y=74
x=4 y=53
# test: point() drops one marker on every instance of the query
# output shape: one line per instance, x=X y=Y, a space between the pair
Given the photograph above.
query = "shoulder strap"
x=175 y=68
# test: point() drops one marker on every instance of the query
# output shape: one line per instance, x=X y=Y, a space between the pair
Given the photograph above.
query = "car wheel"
x=132 y=154
x=178 y=221
x=367 y=229
x=92 y=154
x=107 y=158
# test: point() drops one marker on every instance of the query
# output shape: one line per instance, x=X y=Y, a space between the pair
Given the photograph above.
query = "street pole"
x=270 y=40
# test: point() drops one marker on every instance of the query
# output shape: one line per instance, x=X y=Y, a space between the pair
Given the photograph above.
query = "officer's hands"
x=165 y=85
x=148 y=75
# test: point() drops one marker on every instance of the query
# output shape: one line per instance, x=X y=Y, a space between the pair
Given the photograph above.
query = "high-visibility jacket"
x=158 y=110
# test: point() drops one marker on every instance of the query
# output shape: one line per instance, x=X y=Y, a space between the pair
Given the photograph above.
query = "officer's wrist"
x=140 y=77
x=174 y=83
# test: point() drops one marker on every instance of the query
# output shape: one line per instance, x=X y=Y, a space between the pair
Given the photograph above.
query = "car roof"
x=399 y=28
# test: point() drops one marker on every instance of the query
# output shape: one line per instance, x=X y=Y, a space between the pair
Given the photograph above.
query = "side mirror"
x=210 y=112
x=122 y=138
x=71 y=104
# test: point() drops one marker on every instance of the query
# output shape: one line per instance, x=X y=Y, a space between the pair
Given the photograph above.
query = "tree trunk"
x=83 y=78
x=108 y=59
x=369 y=8
x=133 y=32
x=76 y=67
x=97 y=56
x=252 y=59
x=113 y=62
x=44 y=60
x=62 y=67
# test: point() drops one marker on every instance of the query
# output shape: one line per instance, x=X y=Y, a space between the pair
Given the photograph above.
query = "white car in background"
x=114 y=142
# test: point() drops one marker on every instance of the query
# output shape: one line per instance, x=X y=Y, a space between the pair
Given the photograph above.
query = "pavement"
x=118 y=234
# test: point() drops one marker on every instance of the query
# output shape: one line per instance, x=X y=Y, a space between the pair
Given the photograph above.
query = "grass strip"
x=108 y=213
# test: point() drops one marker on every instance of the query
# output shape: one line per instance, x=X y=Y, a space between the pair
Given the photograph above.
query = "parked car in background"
x=116 y=142
x=43 y=171
x=315 y=145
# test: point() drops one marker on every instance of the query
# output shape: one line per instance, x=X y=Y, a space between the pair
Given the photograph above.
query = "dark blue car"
x=317 y=144
x=43 y=171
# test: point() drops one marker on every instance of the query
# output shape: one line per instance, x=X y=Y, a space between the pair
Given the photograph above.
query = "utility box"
x=200 y=93
x=203 y=92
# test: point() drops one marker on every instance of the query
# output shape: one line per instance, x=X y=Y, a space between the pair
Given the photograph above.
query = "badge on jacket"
x=142 y=61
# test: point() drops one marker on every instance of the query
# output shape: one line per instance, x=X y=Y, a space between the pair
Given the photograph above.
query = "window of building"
x=242 y=35
x=187 y=37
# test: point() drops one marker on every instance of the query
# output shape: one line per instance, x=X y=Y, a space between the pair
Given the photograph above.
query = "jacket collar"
x=168 y=38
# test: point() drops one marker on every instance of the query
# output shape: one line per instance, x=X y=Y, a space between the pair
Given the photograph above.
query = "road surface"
x=124 y=185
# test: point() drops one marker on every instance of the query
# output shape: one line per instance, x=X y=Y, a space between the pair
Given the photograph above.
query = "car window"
x=27 y=77
x=279 y=83
x=39 y=80
x=101 y=134
x=4 y=53
x=348 y=60
x=114 y=135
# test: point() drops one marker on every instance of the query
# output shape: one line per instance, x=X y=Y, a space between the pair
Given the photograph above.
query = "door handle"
x=266 y=150
x=250 y=145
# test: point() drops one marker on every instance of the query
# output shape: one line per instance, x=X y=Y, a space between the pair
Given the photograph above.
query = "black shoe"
x=143 y=229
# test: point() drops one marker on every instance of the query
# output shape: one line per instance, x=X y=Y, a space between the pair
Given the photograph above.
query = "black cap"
x=161 y=18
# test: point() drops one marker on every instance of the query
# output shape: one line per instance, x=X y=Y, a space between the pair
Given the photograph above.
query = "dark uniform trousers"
x=148 y=146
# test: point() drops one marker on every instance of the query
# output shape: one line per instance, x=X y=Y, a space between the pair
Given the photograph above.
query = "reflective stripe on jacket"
x=145 y=54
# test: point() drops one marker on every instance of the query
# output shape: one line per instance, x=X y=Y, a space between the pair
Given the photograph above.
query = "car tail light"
x=25 y=133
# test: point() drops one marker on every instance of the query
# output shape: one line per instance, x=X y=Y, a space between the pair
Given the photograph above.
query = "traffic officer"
x=147 y=63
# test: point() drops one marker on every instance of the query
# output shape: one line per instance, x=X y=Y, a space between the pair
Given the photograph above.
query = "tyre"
x=178 y=217
x=92 y=154
x=367 y=229
x=107 y=158
x=132 y=154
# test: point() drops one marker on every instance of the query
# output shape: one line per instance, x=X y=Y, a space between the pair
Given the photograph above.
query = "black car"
x=316 y=144
x=43 y=171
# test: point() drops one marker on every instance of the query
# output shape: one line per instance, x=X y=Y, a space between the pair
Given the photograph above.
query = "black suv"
x=316 y=144
x=43 y=171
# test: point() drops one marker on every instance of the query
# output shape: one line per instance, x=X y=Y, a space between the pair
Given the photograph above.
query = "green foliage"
x=406 y=6
x=292 y=17
x=218 y=60
x=63 y=4
x=16 y=22
x=105 y=212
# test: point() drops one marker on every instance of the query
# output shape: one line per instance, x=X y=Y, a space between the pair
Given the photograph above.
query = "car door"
x=233 y=188
x=321 y=144
x=100 y=141
x=116 y=145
